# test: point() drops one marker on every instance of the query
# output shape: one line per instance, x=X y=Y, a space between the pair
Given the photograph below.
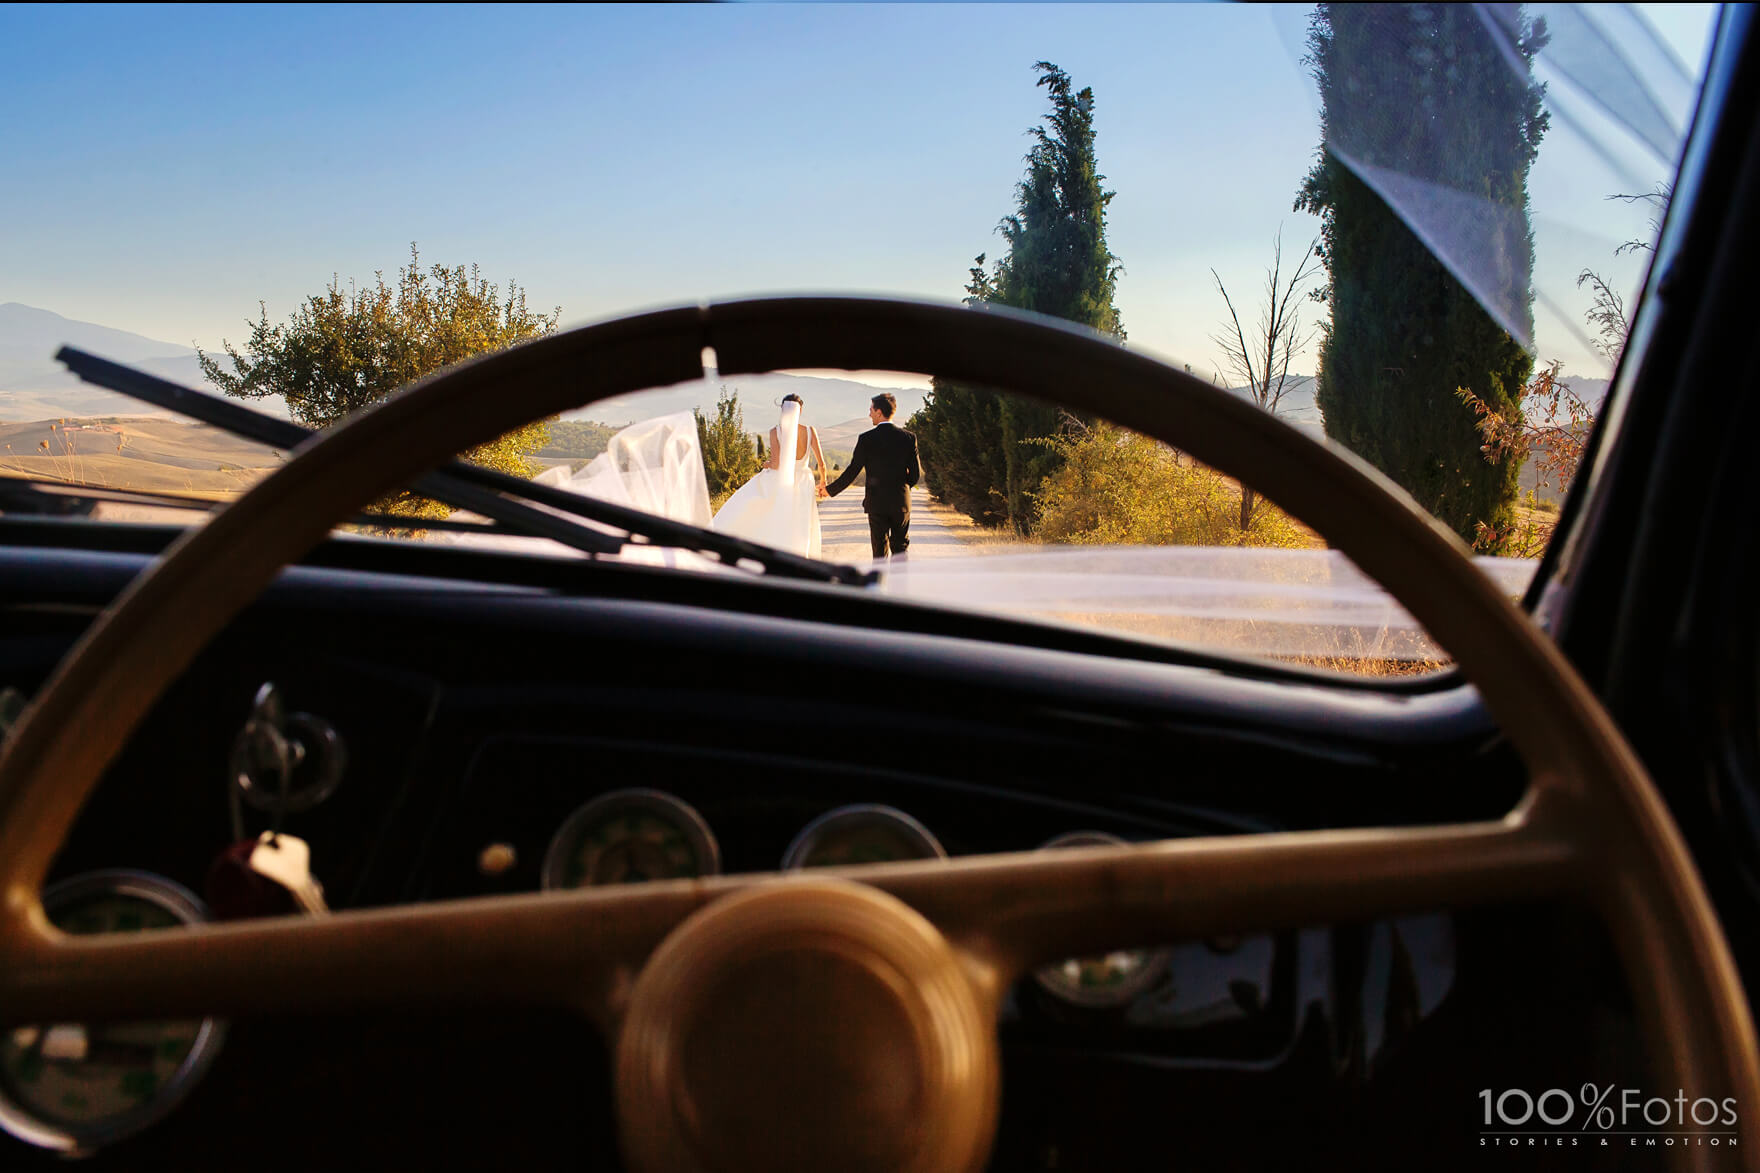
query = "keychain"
x=270 y=874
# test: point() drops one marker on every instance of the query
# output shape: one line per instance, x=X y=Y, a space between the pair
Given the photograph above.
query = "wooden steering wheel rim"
x=1591 y=825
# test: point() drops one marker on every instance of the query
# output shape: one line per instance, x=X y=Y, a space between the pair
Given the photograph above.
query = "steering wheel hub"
x=807 y=1024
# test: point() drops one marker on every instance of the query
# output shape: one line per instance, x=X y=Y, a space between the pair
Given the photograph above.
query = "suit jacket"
x=889 y=454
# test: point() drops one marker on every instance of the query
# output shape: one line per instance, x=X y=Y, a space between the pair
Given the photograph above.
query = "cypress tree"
x=980 y=447
x=959 y=434
x=729 y=460
x=1427 y=82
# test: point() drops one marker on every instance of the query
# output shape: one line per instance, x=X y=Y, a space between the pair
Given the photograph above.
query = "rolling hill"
x=144 y=453
x=34 y=386
x=115 y=441
x=760 y=398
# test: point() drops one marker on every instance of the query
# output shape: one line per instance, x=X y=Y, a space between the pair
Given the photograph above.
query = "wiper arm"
x=467 y=486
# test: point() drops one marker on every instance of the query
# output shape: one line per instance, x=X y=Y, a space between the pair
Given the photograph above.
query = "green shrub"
x=730 y=459
x=1116 y=487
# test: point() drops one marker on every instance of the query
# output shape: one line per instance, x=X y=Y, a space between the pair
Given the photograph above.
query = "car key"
x=287 y=860
x=237 y=891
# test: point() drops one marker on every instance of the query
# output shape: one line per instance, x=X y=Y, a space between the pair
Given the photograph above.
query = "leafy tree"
x=344 y=350
x=577 y=439
x=977 y=445
x=959 y=437
x=1548 y=428
x=1405 y=335
x=729 y=457
x=1549 y=433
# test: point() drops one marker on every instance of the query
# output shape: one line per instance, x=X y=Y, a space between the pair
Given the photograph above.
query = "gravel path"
x=843 y=529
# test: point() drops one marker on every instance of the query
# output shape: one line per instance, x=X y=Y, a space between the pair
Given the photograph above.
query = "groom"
x=889 y=453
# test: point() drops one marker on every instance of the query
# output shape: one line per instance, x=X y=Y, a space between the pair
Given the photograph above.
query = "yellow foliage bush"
x=1116 y=487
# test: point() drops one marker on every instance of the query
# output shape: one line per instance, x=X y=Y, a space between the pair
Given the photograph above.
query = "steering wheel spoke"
x=1023 y=911
x=579 y=949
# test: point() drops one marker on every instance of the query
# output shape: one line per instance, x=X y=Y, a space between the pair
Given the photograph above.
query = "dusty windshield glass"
x=1417 y=231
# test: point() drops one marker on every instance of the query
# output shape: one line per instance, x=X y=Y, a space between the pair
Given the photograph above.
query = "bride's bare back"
x=805 y=440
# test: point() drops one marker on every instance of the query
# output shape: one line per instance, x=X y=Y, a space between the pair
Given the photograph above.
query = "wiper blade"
x=52 y=498
x=24 y=495
x=467 y=486
x=283 y=434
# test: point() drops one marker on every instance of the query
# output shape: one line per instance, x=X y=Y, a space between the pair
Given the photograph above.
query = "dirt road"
x=844 y=529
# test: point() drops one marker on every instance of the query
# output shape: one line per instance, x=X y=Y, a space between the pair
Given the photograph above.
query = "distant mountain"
x=1298 y=406
x=826 y=400
x=843 y=436
x=1590 y=391
x=30 y=336
x=34 y=386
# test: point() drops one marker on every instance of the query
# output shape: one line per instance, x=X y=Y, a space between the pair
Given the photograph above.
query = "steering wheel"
x=860 y=1012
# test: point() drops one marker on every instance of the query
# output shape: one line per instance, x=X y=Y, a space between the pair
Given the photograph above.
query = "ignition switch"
x=285 y=762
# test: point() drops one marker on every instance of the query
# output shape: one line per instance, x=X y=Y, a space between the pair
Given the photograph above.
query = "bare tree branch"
x=1658 y=198
x=1607 y=315
x=1262 y=364
x=1237 y=359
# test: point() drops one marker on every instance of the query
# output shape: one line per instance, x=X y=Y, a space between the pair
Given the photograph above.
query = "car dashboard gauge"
x=861 y=834
x=1107 y=980
x=76 y=1087
x=628 y=837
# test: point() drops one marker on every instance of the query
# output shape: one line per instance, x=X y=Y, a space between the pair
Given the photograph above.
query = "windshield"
x=1417 y=231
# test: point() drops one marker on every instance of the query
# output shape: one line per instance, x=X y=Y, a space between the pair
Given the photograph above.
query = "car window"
x=1418 y=231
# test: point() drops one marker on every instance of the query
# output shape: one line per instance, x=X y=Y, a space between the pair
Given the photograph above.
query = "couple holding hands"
x=779 y=507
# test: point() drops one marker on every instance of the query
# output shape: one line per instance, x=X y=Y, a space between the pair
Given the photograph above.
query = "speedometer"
x=627 y=837
x=75 y=1087
x=1108 y=979
x=861 y=834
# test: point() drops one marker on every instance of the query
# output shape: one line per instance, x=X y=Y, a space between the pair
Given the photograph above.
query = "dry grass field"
x=145 y=454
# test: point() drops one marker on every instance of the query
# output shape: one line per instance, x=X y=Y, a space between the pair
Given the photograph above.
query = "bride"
x=779 y=507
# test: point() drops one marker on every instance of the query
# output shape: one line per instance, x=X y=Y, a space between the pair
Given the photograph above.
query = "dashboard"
x=474 y=742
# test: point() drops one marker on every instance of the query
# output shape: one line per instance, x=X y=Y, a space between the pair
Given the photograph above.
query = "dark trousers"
x=890 y=528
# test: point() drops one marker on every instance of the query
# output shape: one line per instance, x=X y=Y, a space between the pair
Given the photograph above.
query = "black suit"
x=889 y=454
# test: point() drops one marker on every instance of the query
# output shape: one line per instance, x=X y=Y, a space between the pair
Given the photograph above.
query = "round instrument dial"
x=861 y=834
x=1111 y=979
x=629 y=837
x=75 y=1087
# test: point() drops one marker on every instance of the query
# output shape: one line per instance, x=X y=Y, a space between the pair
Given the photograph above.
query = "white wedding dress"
x=654 y=466
x=779 y=507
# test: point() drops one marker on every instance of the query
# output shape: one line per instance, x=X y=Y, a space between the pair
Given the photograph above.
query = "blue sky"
x=165 y=168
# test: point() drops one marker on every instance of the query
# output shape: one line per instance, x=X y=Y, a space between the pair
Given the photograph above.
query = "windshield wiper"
x=479 y=490
x=41 y=497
